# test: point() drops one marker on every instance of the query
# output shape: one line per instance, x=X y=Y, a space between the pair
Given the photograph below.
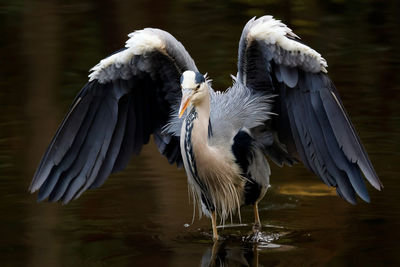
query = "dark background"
x=137 y=217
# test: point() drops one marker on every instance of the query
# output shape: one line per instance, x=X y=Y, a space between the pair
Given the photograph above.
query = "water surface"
x=142 y=216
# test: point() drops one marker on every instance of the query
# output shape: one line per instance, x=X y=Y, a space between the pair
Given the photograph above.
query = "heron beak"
x=186 y=96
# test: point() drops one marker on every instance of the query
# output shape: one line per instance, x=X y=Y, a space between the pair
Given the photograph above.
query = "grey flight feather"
x=128 y=97
x=311 y=123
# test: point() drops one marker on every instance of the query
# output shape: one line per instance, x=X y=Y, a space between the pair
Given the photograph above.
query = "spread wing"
x=311 y=121
x=130 y=95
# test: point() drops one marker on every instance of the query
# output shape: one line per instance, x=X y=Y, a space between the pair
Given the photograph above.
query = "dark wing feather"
x=130 y=96
x=311 y=123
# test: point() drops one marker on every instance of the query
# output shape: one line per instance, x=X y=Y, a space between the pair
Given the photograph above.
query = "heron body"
x=282 y=105
x=220 y=171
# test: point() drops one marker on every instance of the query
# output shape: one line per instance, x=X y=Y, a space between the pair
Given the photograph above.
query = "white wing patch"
x=144 y=41
x=139 y=43
x=275 y=33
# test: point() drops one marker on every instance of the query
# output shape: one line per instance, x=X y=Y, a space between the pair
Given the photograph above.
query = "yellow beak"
x=186 y=96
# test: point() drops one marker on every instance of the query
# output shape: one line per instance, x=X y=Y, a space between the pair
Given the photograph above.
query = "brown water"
x=138 y=217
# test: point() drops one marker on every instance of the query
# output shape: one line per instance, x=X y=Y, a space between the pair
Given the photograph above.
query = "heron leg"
x=214 y=253
x=214 y=226
x=257 y=222
x=255 y=253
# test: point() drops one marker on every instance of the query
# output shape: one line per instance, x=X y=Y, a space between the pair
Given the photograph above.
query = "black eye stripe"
x=199 y=78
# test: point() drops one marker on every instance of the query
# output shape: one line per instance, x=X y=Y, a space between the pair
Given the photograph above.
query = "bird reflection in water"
x=242 y=250
x=222 y=253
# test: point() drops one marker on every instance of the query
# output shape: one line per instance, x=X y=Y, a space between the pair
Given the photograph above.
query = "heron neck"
x=201 y=124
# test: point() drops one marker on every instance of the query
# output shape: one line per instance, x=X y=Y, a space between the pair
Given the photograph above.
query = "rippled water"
x=142 y=216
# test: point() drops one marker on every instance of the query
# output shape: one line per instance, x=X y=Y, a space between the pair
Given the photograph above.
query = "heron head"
x=194 y=89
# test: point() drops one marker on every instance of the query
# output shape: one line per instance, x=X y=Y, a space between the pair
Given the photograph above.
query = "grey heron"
x=282 y=105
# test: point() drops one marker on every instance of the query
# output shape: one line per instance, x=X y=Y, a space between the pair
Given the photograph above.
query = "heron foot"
x=216 y=238
x=257 y=227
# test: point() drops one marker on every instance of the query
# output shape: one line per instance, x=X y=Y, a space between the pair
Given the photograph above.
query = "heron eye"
x=197 y=87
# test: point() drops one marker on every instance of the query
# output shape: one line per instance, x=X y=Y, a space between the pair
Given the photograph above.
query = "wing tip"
x=37 y=181
x=350 y=198
x=365 y=197
x=372 y=177
x=378 y=186
x=65 y=202
x=33 y=188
